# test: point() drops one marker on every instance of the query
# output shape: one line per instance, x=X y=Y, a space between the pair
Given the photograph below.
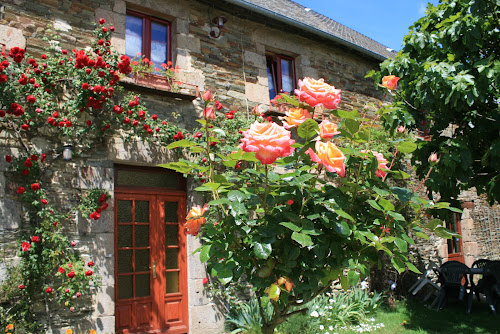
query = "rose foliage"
x=292 y=211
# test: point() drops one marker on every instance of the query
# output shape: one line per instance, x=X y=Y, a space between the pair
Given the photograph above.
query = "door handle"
x=154 y=269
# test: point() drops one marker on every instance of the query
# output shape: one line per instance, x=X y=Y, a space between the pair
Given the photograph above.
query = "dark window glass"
x=280 y=74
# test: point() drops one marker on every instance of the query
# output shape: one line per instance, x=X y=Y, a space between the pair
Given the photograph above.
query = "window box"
x=157 y=83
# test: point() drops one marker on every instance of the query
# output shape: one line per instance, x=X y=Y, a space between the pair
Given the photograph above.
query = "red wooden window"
x=455 y=247
x=148 y=36
x=280 y=74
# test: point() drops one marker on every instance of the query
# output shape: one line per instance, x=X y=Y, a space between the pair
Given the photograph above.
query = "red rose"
x=35 y=239
x=104 y=206
x=85 y=85
x=102 y=20
x=34 y=157
x=43 y=201
x=229 y=115
x=290 y=202
x=21 y=190
x=205 y=280
x=35 y=186
x=25 y=172
x=8 y=158
x=89 y=122
x=25 y=127
x=49 y=290
x=28 y=163
x=102 y=198
x=112 y=28
x=73 y=243
x=126 y=120
x=71 y=274
x=25 y=246
x=61 y=270
x=21 y=286
x=135 y=122
x=88 y=273
x=90 y=264
x=31 y=99
x=44 y=156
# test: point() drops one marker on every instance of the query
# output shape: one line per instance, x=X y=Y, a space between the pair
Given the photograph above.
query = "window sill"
x=159 y=85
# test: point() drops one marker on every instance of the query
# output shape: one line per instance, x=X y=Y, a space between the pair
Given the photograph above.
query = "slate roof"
x=292 y=12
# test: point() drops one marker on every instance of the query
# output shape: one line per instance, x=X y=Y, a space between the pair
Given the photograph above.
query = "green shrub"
x=245 y=317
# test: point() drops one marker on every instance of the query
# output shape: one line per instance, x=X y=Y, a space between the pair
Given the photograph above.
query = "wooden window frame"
x=276 y=71
x=146 y=33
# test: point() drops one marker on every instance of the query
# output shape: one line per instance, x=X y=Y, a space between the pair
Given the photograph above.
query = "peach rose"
x=382 y=163
x=318 y=92
x=328 y=155
x=195 y=219
x=328 y=129
x=269 y=140
x=390 y=82
x=295 y=117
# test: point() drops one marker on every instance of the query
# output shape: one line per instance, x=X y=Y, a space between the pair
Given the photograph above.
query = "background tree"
x=450 y=78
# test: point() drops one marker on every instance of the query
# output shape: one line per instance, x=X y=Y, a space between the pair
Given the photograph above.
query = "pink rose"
x=269 y=140
x=382 y=163
x=328 y=129
x=295 y=117
x=390 y=82
x=328 y=155
x=318 y=92
x=195 y=219
x=207 y=96
x=208 y=113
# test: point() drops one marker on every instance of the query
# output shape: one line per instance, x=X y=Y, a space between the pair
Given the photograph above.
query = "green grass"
x=418 y=319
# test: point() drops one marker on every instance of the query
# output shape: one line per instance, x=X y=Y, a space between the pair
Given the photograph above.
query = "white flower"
x=364 y=285
x=321 y=327
x=372 y=319
x=330 y=328
x=314 y=314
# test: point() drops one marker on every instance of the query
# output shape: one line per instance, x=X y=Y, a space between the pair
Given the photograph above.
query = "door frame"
x=159 y=196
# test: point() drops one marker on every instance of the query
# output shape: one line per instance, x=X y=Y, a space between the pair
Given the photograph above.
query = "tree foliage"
x=450 y=76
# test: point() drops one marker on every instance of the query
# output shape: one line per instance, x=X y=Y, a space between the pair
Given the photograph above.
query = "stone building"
x=245 y=51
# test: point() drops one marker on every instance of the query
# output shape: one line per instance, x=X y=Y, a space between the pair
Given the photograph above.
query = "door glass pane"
x=159 y=33
x=142 y=285
x=171 y=235
x=171 y=212
x=145 y=179
x=172 y=282
x=286 y=75
x=124 y=212
x=141 y=211
x=171 y=258
x=271 y=79
x=133 y=36
x=125 y=287
x=141 y=235
x=125 y=261
x=124 y=236
x=142 y=260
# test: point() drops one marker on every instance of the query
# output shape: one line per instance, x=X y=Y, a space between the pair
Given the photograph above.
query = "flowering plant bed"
x=163 y=83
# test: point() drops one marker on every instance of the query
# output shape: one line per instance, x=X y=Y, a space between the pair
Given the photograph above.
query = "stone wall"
x=233 y=65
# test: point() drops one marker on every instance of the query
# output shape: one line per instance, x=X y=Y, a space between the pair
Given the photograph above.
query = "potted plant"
x=144 y=72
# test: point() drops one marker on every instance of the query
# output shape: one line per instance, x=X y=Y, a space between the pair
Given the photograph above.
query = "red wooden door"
x=150 y=262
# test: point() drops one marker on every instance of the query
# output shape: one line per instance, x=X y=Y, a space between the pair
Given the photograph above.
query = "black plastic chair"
x=491 y=277
x=454 y=279
x=479 y=287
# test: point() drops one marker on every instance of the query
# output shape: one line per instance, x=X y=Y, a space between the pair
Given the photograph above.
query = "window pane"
x=171 y=258
x=144 y=179
x=171 y=235
x=141 y=235
x=142 y=260
x=124 y=211
x=125 y=261
x=287 y=75
x=271 y=81
x=124 y=236
x=142 y=285
x=141 y=211
x=171 y=212
x=159 y=33
x=125 y=287
x=172 y=282
x=133 y=36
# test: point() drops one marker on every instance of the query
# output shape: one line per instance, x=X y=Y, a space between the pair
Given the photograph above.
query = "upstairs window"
x=280 y=74
x=148 y=36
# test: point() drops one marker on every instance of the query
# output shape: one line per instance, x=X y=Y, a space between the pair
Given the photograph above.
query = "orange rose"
x=390 y=82
x=295 y=117
x=328 y=129
x=318 y=92
x=328 y=155
x=195 y=219
x=269 y=140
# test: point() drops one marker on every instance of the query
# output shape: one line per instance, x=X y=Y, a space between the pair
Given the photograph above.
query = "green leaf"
x=352 y=125
x=433 y=224
x=396 y=216
x=303 y=239
x=412 y=267
x=375 y=205
x=262 y=251
x=386 y=205
x=402 y=245
x=273 y=292
x=406 y=147
x=342 y=228
x=205 y=252
x=237 y=204
x=209 y=186
x=348 y=114
x=290 y=100
x=398 y=264
x=422 y=235
x=344 y=214
x=353 y=277
x=182 y=143
x=403 y=194
x=181 y=166
x=291 y=226
x=218 y=201
x=445 y=233
x=308 y=129
x=344 y=282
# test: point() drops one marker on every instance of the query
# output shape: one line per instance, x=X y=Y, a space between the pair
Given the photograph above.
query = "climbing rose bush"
x=292 y=210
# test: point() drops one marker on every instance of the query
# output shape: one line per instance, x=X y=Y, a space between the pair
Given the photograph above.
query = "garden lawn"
x=417 y=318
